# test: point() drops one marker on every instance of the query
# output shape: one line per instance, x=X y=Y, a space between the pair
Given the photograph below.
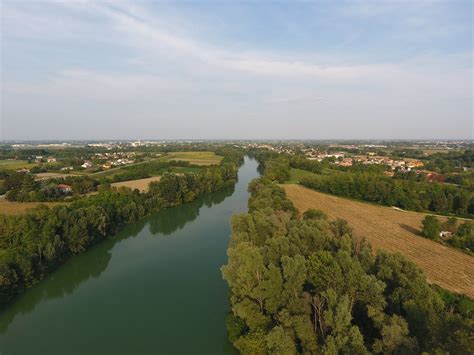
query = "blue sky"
x=231 y=69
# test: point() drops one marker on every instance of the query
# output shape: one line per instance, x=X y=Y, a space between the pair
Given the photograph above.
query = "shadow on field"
x=411 y=229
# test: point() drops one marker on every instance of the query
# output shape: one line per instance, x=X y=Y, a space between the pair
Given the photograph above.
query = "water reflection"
x=91 y=264
x=170 y=220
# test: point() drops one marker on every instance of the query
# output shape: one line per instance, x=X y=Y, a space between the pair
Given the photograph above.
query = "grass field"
x=108 y=173
x=140 y=184
x=185 y=169
x=46 y=176
x=395 y=231
x=11 y=164
x=16 y=208
x=197 y=158
x=297 y=174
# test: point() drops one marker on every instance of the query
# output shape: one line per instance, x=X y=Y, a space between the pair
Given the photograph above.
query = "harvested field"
x=197 y=158
x=395 y=231
x=140 y=184
x=16 y=208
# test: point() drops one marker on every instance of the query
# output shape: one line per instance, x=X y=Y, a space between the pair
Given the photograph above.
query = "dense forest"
x=34 y=244
x=305 y=285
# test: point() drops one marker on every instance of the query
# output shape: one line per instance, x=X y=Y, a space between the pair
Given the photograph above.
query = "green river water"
x=155 y=288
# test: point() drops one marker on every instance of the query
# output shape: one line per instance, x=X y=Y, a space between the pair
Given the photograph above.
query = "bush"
x=314 y=214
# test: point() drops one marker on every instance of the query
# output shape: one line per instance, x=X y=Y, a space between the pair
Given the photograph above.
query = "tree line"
x=406 y=194
x=305 y=285
x=34 y=244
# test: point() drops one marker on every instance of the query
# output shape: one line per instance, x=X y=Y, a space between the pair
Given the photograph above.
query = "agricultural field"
x=395 y=231
x=140 y=184
x=197 y=158
x=16 y=208
x=11 y=164
x=46 y=176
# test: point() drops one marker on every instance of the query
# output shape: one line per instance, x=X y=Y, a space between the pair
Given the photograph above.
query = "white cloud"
x=173 y=76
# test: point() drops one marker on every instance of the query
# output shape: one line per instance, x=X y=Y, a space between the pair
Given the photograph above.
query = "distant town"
x=48 y=159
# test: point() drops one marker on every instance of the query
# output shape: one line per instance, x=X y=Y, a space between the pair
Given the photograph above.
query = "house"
x=336 y=155
x=87 y=164
x=51 y=160
x=445 y=234
x=64 y=188
x=38 y=159
x=413 y=163
x=346 y=162
x=434 y=177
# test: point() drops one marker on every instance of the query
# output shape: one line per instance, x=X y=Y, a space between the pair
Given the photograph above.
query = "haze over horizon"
x=227 y=70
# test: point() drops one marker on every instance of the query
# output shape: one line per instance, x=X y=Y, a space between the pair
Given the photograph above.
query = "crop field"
x=140 y=184
x=16 y=208
x=197 y=158
x=395 y=231
x=11 y=164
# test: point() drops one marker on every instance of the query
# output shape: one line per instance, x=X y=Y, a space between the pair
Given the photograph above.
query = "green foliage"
x=300 y=162
x=464 y=237
x=406 y=194
x=312 y=213
x=451 y=161
x=277 y=169
x=235 y=327
x=22 y=187
x=306 y=286
x=431 y=227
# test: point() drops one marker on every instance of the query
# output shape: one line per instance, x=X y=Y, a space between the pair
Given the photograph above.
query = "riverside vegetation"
x=305 y=285
x=368 y=183
x=34 y=244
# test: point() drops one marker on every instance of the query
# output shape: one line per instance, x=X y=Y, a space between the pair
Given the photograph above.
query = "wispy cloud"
x=134 y=27
x=132 y=59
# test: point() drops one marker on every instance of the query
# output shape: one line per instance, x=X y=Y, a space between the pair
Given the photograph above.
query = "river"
x=154 y=288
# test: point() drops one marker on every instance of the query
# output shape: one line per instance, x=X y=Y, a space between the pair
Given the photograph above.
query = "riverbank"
x=145 y=290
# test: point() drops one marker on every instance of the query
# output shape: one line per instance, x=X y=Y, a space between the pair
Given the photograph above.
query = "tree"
x=305 y=285
x=431 y=227
x=450 y=225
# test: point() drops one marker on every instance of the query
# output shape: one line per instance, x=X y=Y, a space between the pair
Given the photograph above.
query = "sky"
x=236 y=69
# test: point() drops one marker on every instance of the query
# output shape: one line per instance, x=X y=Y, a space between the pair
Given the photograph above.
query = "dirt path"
x=394 y=231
